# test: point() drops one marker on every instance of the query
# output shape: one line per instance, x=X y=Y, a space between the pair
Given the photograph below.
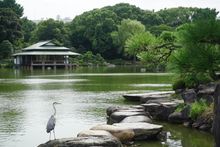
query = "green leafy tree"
x=92 y=31
x=51 y=30
x=139 y=43
x=126 y=29
x=129 y=28
x=11 y=4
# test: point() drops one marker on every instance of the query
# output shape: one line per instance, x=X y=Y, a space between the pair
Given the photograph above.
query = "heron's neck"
x=54 y=110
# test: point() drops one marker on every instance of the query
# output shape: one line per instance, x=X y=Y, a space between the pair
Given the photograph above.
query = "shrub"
x=198 y=108
x=89 y=58
x=179 y=84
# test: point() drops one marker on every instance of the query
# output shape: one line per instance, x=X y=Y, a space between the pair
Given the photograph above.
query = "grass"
x=198 y=108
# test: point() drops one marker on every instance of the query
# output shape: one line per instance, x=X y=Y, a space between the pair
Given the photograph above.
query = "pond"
x=26 y=99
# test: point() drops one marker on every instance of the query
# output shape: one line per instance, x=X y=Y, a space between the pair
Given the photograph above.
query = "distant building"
x=44 y=54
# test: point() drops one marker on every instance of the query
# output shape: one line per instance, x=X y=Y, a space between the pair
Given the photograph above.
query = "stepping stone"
x=120 y=115
x=138 y=96
x=84 y=142
x=136 y=119
x=94 y=133
x=123 y=134
x=142 y=131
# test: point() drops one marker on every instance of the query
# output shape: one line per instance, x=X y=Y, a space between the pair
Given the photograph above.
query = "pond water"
x=26 y=99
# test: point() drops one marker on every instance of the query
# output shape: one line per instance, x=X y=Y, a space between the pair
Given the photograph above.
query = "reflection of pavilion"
x=44 y=54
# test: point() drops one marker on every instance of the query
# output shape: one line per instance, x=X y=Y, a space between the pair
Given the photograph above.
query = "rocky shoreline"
x=128 y=124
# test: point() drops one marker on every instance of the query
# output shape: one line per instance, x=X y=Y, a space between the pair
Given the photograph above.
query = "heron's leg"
x=54 y=134
x=50 y=136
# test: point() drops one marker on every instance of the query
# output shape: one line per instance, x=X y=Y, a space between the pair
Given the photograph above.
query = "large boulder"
x=136 y=119
x=123 y=134
x=189 y=96
x=160 y=111
x=105 y=141
x=206 y=92
x=113 y=109
x=180 y=117
x=142 y=131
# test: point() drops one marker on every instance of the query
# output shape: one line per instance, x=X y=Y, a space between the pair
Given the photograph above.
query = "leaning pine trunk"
x=216 y=122
x=213 y=75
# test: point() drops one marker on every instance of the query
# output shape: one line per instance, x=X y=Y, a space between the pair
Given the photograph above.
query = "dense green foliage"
x=28 y=27
x=199 y=57
x=10 y=27
x=12 y=5
x=49 y=30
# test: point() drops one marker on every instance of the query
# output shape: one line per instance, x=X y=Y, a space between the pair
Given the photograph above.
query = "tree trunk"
x=216 y=122
x=213 y=75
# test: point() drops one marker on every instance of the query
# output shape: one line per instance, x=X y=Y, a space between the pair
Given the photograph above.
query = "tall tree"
x=10 y=28
x=92 y=31
x=11 y=4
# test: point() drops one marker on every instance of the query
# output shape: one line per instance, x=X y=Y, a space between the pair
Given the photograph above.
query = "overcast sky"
x=37 y=9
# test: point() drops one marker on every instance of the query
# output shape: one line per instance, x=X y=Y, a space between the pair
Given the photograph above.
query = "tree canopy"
x=199 y=56
x=11 y=4
x=50 y=30
x=10 y=27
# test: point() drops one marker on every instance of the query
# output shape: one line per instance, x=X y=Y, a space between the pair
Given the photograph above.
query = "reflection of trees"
x=11 y=120
x=190 y=137
x=11 y=87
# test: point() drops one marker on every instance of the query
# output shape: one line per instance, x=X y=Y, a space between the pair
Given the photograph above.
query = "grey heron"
x=52 y=122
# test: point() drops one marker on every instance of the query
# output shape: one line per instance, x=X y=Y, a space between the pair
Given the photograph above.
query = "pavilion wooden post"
x=216 y=122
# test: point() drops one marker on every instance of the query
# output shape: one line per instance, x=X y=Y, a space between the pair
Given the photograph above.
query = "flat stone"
x=137 y=108
x=83 y=142
x=145 y=99
x=123 y=134
x=136 y=119
x=138 y=96
x=142 y=130
x=94 y=133
x=120 y=115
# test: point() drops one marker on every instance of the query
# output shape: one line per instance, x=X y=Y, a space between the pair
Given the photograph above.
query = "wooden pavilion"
x=45 y=54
